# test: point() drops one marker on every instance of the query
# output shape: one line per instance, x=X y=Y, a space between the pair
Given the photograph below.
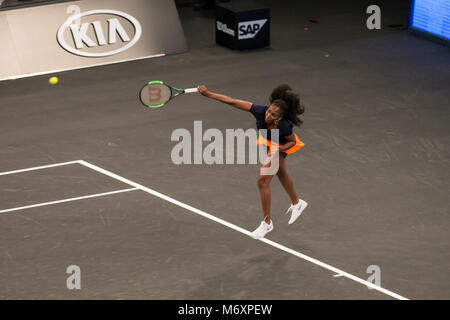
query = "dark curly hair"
x=289 y=103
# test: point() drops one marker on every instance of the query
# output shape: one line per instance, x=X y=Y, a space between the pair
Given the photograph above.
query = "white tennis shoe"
x=296 y=210
x=262 y=230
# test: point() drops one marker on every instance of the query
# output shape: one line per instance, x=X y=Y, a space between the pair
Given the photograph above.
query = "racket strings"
x=155 y=94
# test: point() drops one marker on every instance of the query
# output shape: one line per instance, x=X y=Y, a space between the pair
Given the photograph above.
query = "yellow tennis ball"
x=53 y=80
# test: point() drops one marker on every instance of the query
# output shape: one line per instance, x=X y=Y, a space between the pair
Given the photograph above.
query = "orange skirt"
x=298 y=144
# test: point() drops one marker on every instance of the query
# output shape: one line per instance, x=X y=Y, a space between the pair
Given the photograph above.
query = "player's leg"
x=286 y=180
x=264 y=191
x=298 y=205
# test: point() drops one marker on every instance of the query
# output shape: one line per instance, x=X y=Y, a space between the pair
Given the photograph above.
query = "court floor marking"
x=41 y=167
x=137 y=186
x=239 y=229
x=68 y=200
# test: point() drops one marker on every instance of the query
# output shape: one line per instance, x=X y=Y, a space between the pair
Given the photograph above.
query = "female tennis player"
x=282 y=114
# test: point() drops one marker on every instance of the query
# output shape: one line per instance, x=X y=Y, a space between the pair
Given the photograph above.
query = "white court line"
x=68 y=200
x=239 y=229
x=41 y=167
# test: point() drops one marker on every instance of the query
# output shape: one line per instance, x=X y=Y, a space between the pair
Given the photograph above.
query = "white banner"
x=79 y=34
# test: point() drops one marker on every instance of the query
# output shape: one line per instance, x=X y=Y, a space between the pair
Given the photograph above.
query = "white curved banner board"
x=80 y=34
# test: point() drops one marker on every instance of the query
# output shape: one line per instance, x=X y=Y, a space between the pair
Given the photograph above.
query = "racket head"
x=155 y=94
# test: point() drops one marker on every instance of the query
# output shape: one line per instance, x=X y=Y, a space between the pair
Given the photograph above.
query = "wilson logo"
x=224 y=28
x=92 y=34
x=250 y=29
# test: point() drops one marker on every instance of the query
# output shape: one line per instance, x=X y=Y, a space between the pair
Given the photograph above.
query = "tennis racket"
x=156 y=94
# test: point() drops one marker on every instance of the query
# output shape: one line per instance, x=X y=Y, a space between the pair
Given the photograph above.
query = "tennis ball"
x=53 y=80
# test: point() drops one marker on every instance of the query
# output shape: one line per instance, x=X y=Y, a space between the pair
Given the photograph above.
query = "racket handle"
x=191 y=90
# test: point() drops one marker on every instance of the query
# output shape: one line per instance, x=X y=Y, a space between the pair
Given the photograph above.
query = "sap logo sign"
x=80 y=37
x=250 y=29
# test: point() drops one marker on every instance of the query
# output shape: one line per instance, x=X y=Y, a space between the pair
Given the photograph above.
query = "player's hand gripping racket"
x=156 y=94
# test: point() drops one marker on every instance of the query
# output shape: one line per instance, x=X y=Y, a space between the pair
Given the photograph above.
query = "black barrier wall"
x=79 y=34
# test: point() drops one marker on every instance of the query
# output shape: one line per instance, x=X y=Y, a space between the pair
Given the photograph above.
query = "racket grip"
x=191 y=90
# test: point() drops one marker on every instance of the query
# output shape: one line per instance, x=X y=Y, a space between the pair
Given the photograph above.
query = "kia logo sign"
x=114 y=33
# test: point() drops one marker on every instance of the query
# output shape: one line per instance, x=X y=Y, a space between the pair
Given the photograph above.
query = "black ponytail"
x=289 y=103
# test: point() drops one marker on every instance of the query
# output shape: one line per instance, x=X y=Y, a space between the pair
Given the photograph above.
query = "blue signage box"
x=242 y=26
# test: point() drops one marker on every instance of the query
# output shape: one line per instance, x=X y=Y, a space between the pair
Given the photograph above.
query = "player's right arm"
x=240 y=104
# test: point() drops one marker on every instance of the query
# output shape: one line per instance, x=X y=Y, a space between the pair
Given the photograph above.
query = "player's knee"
x=263 y=181
x=281 y=171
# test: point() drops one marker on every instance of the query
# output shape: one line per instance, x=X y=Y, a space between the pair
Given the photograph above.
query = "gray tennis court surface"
x=374 y=170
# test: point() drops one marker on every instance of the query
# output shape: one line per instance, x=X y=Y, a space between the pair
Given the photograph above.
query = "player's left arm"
x=237 y=103
x=289 y=144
